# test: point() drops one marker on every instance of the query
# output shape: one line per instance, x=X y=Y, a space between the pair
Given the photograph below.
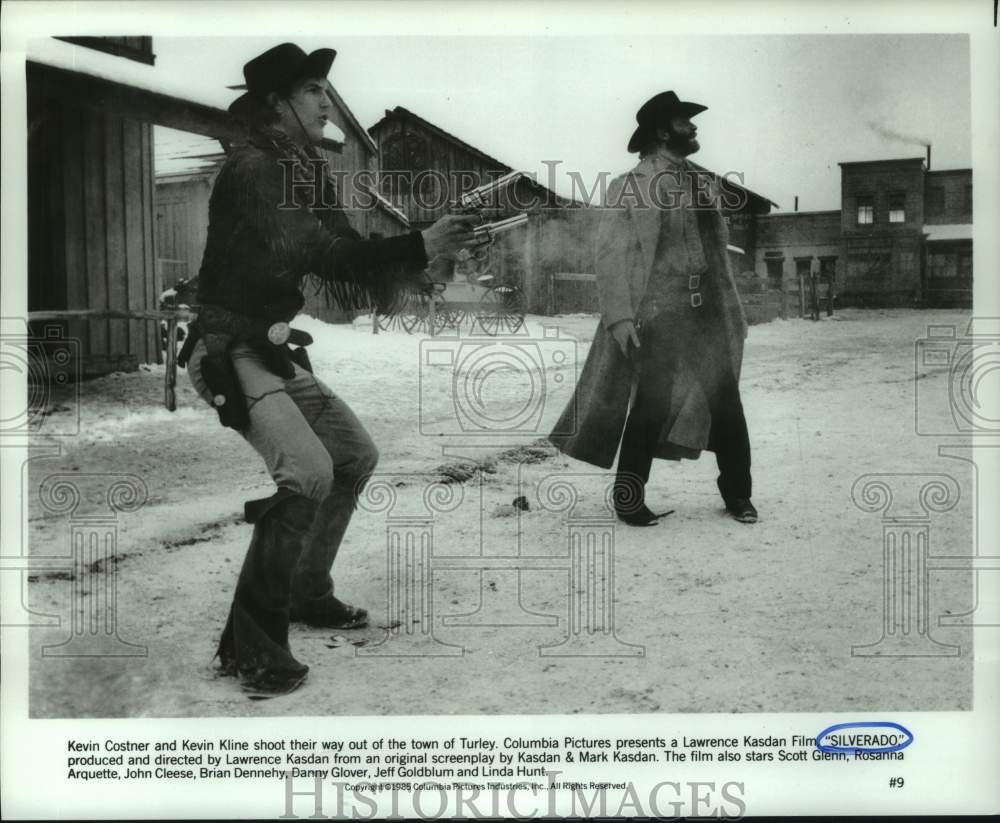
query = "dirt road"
x=708 y=615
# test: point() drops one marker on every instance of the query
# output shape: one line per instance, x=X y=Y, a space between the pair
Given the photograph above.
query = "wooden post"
x=170 y=385
x=170 y=376
x=531 y=284
x=802 y=295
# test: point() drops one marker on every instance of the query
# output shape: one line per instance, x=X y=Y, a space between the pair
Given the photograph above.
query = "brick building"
x=902 y=237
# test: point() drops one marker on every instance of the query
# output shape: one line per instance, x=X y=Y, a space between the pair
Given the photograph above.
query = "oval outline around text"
x=870 y=724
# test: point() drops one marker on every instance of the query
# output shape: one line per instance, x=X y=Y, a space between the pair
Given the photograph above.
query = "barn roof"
x=352 y=121
x=400 y=113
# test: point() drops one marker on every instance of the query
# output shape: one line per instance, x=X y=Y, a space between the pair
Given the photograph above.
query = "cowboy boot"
x=628 y=497
x=313 y=601
x=629 y=490
x=254 y=643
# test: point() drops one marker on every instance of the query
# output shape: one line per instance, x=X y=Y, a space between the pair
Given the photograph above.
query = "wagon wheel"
x=413 y=314
x=501 y=310
x=385 y=321
x=445 y=317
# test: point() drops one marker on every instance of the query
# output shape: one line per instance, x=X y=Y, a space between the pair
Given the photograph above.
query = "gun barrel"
x=488 y=230
x=481 y=196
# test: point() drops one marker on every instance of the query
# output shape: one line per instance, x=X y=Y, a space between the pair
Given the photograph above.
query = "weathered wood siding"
x=437 y=164
x=181 y=226
x=90 y=226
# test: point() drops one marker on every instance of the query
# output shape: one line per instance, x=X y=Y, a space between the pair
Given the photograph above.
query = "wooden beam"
x=112 y=314
x=128 y=101
x=139 y=104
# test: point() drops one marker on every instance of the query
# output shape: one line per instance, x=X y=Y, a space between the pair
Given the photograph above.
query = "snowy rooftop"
x=951 y=231
x=191 y=86
x=72 y=57
x=180 y=152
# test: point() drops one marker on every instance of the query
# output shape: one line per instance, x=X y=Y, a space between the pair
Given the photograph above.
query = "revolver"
x=476 y=262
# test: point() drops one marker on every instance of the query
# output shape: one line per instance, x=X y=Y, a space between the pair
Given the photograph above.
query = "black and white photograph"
x=423 y=402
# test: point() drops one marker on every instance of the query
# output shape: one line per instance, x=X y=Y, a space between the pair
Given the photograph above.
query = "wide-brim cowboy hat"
x=277 y=68
x=656 y=113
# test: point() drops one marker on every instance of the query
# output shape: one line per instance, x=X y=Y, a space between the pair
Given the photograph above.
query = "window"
x=965 y=265
x=968 y=198
x=897 y=208
x=869 y=266
x=803 y=266
x=775 y=272
x=828 y=269
x=866 y=211
x=935 y=201
x=940 y=266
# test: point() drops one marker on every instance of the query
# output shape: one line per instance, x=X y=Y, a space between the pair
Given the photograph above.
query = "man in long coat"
x=662 y=376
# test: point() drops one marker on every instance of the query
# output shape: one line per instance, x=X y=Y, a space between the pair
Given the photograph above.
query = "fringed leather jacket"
x=267 y=232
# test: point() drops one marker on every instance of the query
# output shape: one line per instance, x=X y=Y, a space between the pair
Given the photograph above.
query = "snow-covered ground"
x=729 y=617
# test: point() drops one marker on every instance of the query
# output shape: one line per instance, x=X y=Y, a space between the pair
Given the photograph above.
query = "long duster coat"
x=591 y=426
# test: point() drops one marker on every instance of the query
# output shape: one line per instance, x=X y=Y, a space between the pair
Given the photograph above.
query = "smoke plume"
x=890 y=134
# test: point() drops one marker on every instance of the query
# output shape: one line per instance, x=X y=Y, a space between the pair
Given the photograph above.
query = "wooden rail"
x=171 y=317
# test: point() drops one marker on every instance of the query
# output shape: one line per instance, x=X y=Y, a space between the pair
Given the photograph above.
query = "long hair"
x=253 y=113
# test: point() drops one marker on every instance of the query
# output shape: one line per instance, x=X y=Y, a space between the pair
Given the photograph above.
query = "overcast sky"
x=783 y=109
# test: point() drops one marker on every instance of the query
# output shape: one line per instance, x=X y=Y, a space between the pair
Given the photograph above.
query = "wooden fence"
x=170 y=317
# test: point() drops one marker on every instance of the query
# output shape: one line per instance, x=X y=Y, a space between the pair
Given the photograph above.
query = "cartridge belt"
x=213 y=319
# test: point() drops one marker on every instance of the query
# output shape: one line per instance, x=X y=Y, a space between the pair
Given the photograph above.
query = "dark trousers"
x=664 y=344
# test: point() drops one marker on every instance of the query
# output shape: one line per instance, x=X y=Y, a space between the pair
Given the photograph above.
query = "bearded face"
x=681 y=136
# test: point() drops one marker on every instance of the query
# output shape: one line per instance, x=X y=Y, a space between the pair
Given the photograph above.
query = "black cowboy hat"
x=656 y=113
x=277 y=68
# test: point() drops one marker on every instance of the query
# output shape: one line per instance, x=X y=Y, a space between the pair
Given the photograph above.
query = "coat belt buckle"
x=278 y=333
x=696 y=299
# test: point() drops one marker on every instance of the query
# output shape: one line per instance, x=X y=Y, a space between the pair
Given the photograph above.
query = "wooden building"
x=186 y=168
x=91 y=238
x=424 y=170
x=947 y=271
x=881 y=225
x=90 y=220
x=901 y=237
x=92 y=214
